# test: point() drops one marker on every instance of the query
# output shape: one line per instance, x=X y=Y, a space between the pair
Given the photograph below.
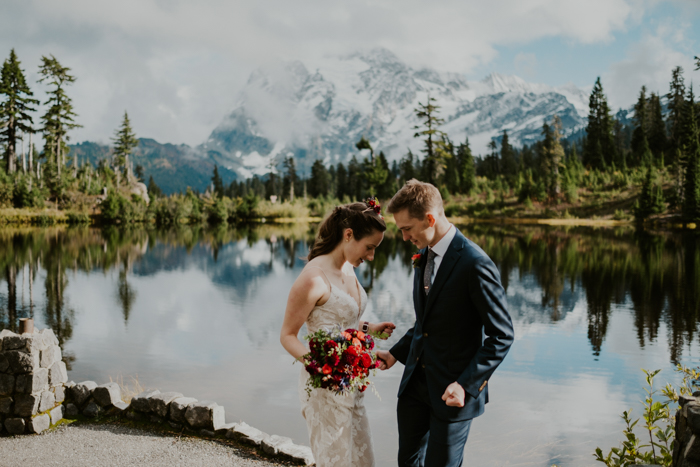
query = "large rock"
x=15 y=426
x=39 y=423
x=3 y=334
x=58 y=374
x=271 y=444
x=27 y=405
x=71 y=410
x=141 y=402
x=178 y=407
x=47 y=402
x=16 y=342
x=49 y=337
x=22 y=362
x=205 y=414
x=34 y=382
x=300 y=454
x=56 y=414
x=108 y=394
x=5 y=405
x=60 y=393
x=7 y=384
x=92 y=410
x=81 y=392
x=4 y=364
x=50 y=355
x=160 y=402
x=247 y=434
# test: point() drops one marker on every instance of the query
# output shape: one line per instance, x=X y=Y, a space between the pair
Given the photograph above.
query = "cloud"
x=177 y=66
x=649 y=63
x=525 y=63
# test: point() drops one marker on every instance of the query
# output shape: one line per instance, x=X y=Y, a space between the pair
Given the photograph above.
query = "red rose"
x=366 y=360
x=352 y=350
x=327 y=369
x=362 y=389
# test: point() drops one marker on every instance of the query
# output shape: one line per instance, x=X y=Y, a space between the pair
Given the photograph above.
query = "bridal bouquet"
x=339 y=360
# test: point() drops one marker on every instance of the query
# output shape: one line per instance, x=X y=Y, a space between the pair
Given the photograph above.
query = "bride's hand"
x=383 y=329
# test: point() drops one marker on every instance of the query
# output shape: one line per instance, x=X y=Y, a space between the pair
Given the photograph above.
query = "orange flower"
x=347 y=335
x=356 y=342
x=361 y=335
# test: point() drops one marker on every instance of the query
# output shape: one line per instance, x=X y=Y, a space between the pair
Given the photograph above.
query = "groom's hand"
x=386 y=360
x=385 y=330
x=454 y=395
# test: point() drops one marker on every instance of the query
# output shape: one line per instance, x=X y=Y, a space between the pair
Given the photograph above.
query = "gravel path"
x=114 y=445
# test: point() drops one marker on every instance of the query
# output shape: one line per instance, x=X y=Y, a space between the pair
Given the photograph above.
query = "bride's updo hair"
x=362 y=219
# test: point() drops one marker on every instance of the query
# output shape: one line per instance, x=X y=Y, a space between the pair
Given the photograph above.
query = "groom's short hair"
x=418 y=198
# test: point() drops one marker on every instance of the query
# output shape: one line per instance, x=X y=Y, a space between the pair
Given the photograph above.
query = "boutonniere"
x=416 y=259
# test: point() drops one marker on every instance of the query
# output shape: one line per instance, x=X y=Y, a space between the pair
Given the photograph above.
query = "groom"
x=461 y=334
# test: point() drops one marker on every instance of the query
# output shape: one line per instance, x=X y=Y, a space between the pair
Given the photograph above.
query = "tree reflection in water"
x=655 y=274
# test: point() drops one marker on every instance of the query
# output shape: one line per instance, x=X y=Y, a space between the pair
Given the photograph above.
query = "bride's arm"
x=307 y=291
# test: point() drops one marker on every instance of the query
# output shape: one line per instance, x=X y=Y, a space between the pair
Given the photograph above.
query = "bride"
x=327 y=294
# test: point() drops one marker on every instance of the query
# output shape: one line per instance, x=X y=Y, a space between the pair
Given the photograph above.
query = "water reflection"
x=198 y=311
x=657 y=272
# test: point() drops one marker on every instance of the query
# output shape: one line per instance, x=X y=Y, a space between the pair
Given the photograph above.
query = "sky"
x=176 y=66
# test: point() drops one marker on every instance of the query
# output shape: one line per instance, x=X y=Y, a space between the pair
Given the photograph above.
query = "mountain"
x=173 y=167
x=320 y=111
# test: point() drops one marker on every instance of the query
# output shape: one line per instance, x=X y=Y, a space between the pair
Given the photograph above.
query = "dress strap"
x=330 y=286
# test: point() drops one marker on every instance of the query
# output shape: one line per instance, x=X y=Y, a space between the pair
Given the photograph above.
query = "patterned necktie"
x=428 y=273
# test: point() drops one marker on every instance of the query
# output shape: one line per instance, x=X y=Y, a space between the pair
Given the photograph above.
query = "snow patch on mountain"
x=321 y=110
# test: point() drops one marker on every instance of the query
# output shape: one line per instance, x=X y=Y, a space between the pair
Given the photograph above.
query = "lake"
x=198 y=311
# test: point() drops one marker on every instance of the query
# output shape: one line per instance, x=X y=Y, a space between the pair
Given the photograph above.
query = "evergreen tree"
x=14 y=110
x=656 y=135
x=467 y=169
x=650 y=198
x=124 y=143
x=691 y=187
x=138 y=171
x=154 y=190
x=388 y=188
x=319 y=183
x=489 y=165
x=599 y=151
x=291 y=183
x=407 y=169
x=428 y=129
x=676 y=110
x=217 y=182
x=59 y=117
x=452 y=170
x=354 y=179
x=552 y=156
x=508 y=164
x=641 y=125
x=364 y=144
x=341 y=184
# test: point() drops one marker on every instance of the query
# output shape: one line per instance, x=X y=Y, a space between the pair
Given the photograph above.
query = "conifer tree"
x=641 y=122
x=124 y=143
x=364 y=144
x=656 y=135
x=552 y=156
x=59 y=118
x=507 y=163
x=154 y=190
x=341 y=182
x=354 y=179
x=599 y=151
x=651 y=199
x=429 y=129
x=15 y=109
x=676 y=109
x=407 y=168
x=319 y=183
x=467 y=168
x=691 y=187
x=291 y=179
x=217 y=182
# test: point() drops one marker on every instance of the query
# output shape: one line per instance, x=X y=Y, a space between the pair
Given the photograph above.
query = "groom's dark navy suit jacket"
x=462 y=331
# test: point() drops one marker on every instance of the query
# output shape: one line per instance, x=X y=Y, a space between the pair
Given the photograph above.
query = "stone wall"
x=686 y=451
x=35 y=394
x=32 y=378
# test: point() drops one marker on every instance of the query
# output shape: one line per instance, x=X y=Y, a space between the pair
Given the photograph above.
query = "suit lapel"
x=448 y=263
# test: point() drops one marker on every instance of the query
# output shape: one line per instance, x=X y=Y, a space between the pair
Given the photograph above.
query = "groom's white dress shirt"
x=440 y=249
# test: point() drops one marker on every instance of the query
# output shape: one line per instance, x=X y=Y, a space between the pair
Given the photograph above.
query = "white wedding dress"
x=338 y=425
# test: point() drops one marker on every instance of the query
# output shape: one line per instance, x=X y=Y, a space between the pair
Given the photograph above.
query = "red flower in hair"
x=373 y=203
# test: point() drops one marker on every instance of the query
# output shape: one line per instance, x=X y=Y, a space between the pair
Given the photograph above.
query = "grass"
x=129 y=389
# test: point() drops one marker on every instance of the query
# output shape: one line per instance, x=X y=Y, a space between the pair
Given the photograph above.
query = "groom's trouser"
x=425 y=440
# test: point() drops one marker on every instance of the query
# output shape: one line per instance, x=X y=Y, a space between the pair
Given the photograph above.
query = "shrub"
x=217 y=213
x=75 y=217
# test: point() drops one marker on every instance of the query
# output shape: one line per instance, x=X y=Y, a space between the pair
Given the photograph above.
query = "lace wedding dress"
x=338 y=425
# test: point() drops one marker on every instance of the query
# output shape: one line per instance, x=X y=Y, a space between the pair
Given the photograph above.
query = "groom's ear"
x=431 y=219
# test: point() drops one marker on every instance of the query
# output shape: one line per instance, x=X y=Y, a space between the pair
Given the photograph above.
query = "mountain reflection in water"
x=198 y=310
